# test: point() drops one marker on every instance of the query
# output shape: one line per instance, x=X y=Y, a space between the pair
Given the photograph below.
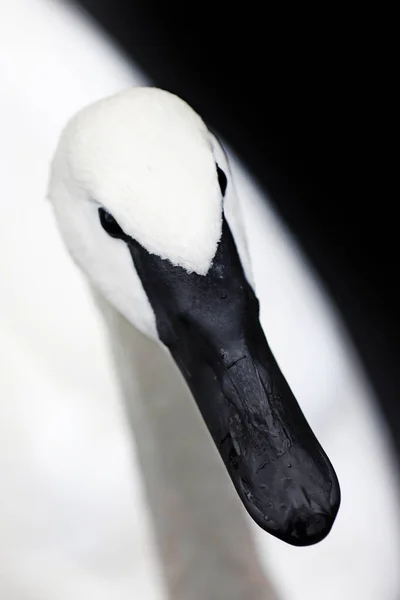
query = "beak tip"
x=302 y=529
x=301 y=525
x=307 y=530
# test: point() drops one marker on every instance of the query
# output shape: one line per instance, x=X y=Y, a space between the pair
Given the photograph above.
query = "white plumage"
x=138 y=153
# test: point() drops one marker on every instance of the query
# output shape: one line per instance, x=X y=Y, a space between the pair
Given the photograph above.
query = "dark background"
x=302 y=99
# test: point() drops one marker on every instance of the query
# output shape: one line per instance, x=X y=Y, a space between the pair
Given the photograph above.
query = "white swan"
x=145 y=202
x=61 y=407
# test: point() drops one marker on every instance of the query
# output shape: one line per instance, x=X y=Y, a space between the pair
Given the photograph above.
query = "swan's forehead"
x=146 y=156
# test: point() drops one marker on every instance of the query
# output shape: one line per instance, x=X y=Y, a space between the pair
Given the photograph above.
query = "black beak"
x=211 y=326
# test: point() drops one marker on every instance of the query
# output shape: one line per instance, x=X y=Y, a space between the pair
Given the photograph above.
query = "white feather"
x=145 y=156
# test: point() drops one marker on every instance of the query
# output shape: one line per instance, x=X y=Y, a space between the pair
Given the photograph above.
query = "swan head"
x=144 y=200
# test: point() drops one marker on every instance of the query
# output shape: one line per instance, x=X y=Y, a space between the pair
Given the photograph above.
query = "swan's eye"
x=222 y=180
x=109 y=224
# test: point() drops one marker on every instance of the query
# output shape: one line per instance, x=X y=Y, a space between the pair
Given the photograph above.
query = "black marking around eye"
x=110 y=225
x=222 y=180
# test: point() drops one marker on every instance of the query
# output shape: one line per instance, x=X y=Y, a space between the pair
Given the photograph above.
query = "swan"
x=69 y=526
x=144 y=201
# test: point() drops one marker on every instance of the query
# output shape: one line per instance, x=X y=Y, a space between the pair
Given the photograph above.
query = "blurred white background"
x=73 y=521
